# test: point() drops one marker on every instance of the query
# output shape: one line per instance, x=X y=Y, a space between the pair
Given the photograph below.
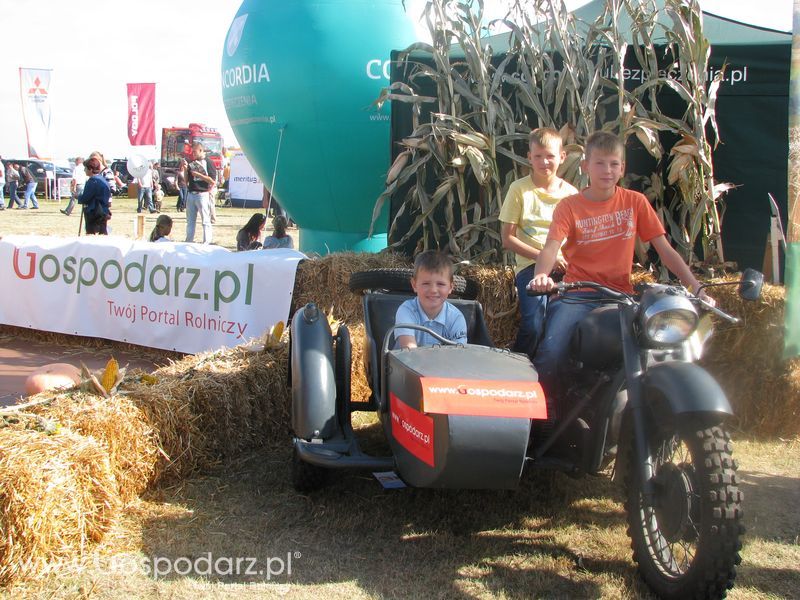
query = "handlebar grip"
x=534 y=293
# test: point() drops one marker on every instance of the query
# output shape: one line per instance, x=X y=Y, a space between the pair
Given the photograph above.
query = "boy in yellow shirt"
x=525 y=216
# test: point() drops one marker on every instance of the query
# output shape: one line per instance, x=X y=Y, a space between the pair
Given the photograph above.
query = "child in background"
x=279 y=237
x=249 y=235
x=525 y=216
x=162 y=229
x=432 y=282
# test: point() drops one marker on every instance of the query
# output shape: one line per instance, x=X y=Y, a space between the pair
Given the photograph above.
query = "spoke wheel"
x=686 y=538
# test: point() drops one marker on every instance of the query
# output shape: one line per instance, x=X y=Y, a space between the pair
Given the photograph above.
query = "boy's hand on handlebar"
x=706 y=298
x=541 y=283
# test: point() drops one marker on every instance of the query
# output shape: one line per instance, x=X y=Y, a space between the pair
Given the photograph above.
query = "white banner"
x=35 y=92
x=246 y=188
x=176 y=296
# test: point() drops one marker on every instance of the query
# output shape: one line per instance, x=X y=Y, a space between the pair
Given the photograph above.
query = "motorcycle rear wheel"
x=687 y=543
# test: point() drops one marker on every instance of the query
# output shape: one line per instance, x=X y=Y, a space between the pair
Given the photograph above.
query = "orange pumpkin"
x=55 y=376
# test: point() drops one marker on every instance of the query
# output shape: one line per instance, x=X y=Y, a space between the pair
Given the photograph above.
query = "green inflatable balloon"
x=298 y=81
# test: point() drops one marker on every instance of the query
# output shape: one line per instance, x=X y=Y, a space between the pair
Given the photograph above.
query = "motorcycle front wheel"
x=686 y=539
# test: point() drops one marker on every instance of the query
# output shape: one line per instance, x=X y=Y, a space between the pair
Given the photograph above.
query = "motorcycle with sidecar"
x=474 y=416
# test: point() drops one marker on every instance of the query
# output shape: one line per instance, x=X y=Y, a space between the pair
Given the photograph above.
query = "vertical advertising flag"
x=792 y=279
x=142 y=114
x=34 y=91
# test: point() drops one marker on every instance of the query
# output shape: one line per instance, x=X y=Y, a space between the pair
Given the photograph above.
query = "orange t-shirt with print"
x=600 y=236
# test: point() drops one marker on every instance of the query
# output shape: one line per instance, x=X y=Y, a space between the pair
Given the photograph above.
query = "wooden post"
x=138 y=227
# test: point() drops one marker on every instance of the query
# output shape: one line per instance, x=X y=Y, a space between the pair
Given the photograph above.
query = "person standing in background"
x=158 y=194
x=12 y=177
x=180 y=182
x=201 y=176
x=2 y=184
x=112 y=179
x=145 y=190
x=30 y=187
x=96 y=198
x=76 y=185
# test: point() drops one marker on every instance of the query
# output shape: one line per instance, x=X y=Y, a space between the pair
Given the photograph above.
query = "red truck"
x=176 y=143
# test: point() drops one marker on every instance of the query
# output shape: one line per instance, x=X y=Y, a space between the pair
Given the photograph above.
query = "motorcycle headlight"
x=667 y=319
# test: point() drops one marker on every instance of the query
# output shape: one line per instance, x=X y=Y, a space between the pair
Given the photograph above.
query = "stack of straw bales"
x=325 y=281
x=60 y=488
x=747 y=360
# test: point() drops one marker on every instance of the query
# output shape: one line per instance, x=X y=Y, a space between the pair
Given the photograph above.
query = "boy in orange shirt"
x=526 y=215
x=600 y=226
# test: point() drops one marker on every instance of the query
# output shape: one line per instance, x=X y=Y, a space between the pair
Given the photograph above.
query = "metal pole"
x=275 y=170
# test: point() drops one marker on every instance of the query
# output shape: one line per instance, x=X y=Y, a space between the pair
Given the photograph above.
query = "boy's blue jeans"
x=531 y=309
x=562 y=318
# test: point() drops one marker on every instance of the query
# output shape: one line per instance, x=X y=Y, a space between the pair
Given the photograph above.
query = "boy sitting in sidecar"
x=432 y=282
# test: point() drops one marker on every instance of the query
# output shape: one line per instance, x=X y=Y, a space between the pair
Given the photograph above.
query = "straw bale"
x=220 y=403
x=57 y=496
x=325 y=281
x=747 y=360
x=167 y=413
x=498 y=296
x=120 y=426
x=359 y=386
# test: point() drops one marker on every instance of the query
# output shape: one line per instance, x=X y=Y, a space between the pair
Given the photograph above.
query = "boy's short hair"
x=544 y=136
x=433 y=261
x=604 y=141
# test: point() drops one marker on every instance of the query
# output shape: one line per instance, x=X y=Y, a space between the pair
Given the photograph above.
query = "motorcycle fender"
x=684 y=394
x=313 y=380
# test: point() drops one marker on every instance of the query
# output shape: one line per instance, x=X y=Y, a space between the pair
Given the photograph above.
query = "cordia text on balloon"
x=245 y=75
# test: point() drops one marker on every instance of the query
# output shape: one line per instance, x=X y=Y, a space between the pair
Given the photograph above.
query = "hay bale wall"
x=747 y=360
x=59 y=492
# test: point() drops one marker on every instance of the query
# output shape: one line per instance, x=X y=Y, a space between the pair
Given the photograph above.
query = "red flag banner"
x=142 y=114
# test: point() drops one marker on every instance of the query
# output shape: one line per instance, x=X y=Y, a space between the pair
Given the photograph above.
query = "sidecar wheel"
x=687 y=542
x=305 y=477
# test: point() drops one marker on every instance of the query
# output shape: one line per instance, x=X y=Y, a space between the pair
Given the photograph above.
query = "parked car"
x=120 y=166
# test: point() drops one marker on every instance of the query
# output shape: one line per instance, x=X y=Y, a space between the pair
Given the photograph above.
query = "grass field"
x=555 y=537
x=48 y=220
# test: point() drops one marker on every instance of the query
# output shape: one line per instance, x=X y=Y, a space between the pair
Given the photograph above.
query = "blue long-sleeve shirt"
x=96 y=191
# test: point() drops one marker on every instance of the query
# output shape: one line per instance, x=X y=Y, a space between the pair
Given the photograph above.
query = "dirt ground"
x=20 y=356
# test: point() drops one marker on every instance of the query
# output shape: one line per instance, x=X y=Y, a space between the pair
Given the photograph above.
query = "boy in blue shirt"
x=432 y=282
